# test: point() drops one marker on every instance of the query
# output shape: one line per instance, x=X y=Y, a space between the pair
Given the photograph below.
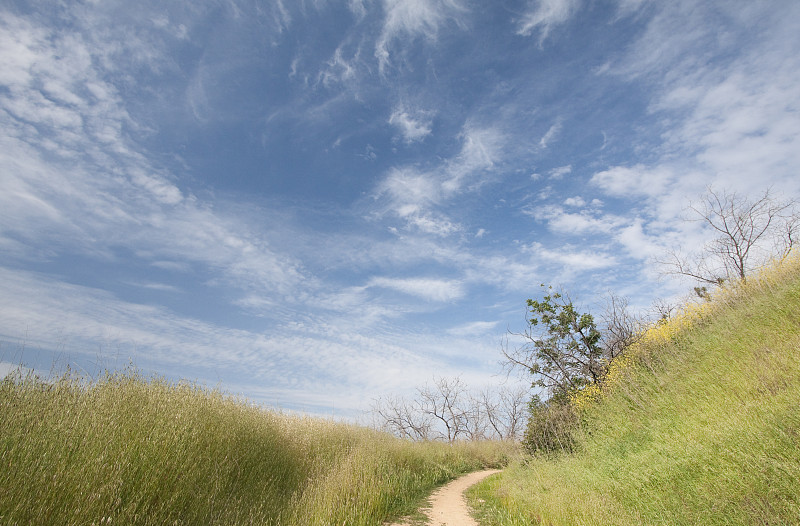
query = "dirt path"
x=448 y=506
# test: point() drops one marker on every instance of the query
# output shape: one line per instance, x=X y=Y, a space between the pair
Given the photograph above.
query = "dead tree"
x=448 y=410
x=403 y=418
x=444 y=403
x=506 y=411
x=748 y=233
x=620 y=327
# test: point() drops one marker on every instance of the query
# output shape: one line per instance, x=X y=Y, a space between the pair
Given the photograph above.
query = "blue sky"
x=317 y=203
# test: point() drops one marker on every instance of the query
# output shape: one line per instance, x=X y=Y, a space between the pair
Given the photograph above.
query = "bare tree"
x=506 y=411
x=620 y=327
x=403 y=418
x=444 y=402
x=748 y=232
x=448 y=410
x=662 y=310
x=476 y=422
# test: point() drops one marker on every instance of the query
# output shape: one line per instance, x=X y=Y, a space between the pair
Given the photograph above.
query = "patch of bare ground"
x=448 y=507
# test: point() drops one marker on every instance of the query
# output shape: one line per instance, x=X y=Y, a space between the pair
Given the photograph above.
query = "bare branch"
x=447 y=410
x=749 y=232
x=621 y=327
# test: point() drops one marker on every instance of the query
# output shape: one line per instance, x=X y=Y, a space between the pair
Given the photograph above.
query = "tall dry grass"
x=130 y=450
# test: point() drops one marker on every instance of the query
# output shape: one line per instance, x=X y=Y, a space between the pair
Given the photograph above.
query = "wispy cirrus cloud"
x=573 y=260
x=727 y=117
x=344 y=365
x=727 y=122
x=426 y=288
x=551 y=135
x=411 y=190
x=743 y=124
x=482 y=148
x=408 y=19
x=415 y=195
x=340 y=70
x=358 y=8
x=474 y=328
x=544 y=15
x=71 y=172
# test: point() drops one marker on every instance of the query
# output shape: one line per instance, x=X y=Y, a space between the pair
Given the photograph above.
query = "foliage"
x=551 y=428
x=562 y=348
x=697 y=423
x=567 y=354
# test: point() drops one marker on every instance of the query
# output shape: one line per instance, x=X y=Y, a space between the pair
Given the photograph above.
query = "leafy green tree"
x=565 y=351
x=563 y=348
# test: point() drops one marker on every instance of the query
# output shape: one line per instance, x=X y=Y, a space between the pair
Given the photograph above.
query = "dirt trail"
x=448 y=506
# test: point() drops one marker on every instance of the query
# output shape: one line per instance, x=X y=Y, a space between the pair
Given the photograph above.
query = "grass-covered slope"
x=125 y=450
x=701 y=426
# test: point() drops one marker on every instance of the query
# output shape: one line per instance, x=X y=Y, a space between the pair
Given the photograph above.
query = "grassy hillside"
x=125 y=450
x=700 y=426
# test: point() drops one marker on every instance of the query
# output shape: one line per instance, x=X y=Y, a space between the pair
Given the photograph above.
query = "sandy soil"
x=448 y=506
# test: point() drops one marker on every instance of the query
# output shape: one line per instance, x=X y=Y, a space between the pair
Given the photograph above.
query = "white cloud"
x=151 y=285
x=634 y=181
x=576 y=201
x=282 y=16
x=358 y=8
x=425 y=288
x=626 y=7
x=510 y=270
x=545 y=193
x=482 y=148
x=586 y=221
x=577 y=224
x=667 y=45
x=348 y=366
x=7 y=368
x=412 y=18
x=414 y=195
x=175 y=266
x=476 y=328
x=437 y=225
x=743 y=127
x=64 y=190
x=638 y=243
x=414 y=126
x=339 y=70
x=733 y=105
x=573 y=260
x=551 y=134
x=728 y=123
x=410 y=190
x=544 y=15
x=559 y=173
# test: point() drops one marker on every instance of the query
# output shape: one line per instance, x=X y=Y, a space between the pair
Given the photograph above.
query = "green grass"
x=130 y=450
x=702 y=427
